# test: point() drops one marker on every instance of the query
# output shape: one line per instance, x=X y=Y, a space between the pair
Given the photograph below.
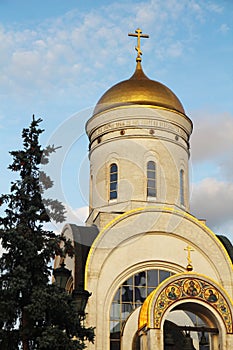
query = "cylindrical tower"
x=139 y=147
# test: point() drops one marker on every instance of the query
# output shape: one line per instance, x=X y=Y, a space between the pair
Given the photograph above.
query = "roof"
x=227 y=244
x=139 y=89
x=83 y=237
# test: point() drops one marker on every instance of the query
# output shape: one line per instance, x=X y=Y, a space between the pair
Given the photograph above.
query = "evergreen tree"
x=34 y=314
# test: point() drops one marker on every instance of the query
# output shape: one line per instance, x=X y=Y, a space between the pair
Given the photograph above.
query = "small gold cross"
x=139 y=35
x=189 y=250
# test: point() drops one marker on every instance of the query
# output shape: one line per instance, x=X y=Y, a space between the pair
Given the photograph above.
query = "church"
x=160 y=278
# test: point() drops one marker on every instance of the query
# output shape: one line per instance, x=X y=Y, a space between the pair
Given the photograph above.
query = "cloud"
x=213 y=200
x=224 y=28
x=212 y=141
x=82 y=213
x=214 y=7
x=62 y=52
x=211 y=149
x=77 y=215
x=175 y=49
x=196 y=9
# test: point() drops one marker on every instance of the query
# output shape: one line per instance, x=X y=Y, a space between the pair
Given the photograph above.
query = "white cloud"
x=224 y=28
x=82 y=213
x=193 y=4
x=214 y=7
x=175 y=49
x=212 y=148
x=76 y=216
x=213 y=199
x=45 y=56
x=212 y=141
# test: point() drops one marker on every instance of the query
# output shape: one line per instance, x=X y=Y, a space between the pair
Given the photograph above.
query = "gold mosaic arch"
x=186 y=287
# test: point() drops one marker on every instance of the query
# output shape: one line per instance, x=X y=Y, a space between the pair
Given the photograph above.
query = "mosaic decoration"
x=185 y=288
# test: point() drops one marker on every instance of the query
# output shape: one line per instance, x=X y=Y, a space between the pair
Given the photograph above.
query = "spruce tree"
x=34 y=313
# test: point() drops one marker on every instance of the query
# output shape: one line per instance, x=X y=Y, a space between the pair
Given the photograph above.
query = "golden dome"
x=139 y=89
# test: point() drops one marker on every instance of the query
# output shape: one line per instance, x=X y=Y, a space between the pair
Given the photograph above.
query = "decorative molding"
x=140 y=123
x=187 y=288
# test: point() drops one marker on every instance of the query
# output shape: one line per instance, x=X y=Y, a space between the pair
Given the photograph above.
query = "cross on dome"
x=139 y=35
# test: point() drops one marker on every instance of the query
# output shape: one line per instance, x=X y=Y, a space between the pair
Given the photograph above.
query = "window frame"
x=151 y=178
x=136 y=281
x=113 y=182
x=182 y=194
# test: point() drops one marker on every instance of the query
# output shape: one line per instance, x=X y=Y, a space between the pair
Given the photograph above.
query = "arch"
x=183 y=289
x=182 y=224
x=128 y=335
x=114 y=240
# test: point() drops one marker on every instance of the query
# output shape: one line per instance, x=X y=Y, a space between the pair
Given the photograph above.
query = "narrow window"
x=113 y=181
x=91 y=192
x=151 y=179
x=182 y=187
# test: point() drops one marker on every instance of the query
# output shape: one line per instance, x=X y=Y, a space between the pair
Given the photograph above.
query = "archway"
x=187 y=294
x=191 y=324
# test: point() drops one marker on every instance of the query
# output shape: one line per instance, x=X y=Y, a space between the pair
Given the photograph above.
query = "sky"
x=57 y=58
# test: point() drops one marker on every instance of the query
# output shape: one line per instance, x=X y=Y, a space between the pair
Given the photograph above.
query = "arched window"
x=182 y=187
x=151 y=179
x=130 y=295
x=113 y=181
x=91 y=192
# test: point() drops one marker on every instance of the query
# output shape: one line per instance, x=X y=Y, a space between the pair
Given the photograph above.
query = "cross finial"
x=139 y=35
x=189 y=250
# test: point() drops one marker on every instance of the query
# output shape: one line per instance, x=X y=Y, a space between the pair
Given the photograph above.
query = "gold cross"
x=139 y=35
x=189 y=250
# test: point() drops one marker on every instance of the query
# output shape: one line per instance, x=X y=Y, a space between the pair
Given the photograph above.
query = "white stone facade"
x=139 y=233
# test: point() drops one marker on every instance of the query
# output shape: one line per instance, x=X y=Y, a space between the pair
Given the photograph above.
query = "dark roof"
x=227 y=244
x=83 y=237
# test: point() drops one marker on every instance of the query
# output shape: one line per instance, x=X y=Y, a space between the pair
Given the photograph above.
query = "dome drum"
x=175 y=135
x=147 y=122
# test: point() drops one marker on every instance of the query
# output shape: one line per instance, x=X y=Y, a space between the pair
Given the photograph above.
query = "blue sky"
x=58 y=57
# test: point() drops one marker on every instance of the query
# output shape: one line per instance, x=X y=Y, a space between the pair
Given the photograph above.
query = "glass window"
x=182 y=187
x=128 y=282
x=113 y=181
x=163 y=275
x=114 y=327
x=151 y=179
x=152 y=278
x=130 y=295
x=117 y=295
x=115 y=311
